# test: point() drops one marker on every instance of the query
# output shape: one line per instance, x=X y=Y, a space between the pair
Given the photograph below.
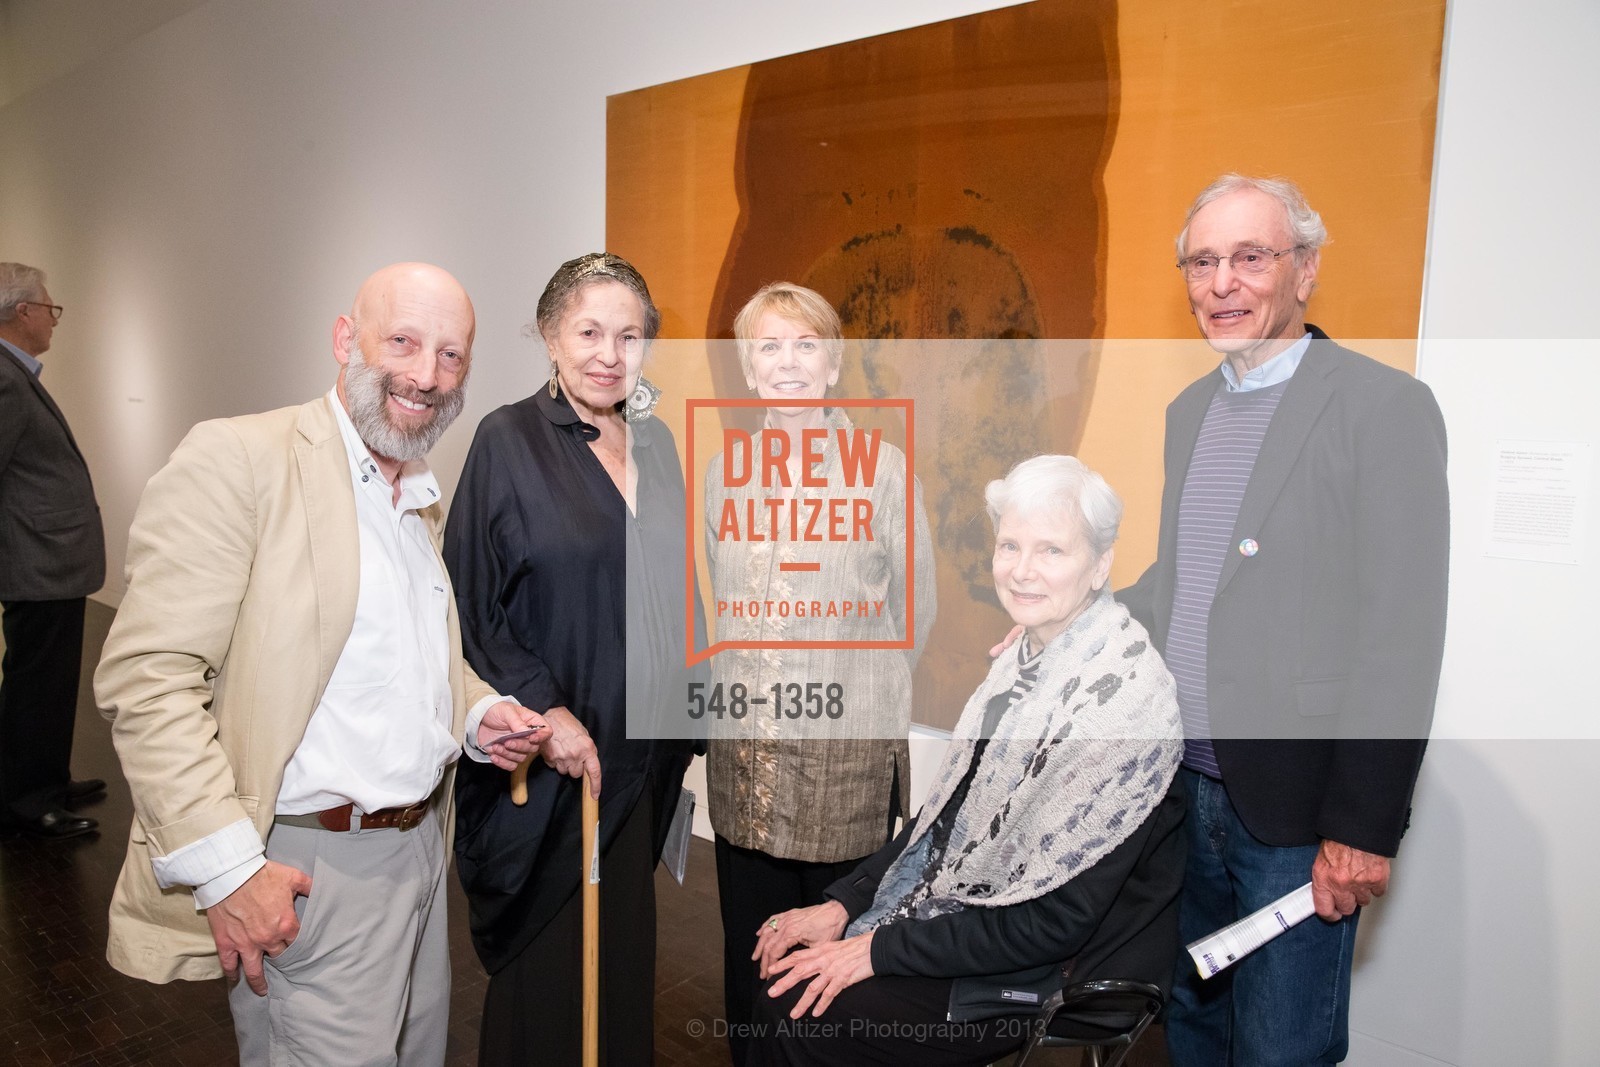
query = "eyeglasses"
x=54 y=309
x=1244 y=261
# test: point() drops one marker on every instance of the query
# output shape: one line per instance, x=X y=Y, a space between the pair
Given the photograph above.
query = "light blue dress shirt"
x=1280 y=368
x=33 y=365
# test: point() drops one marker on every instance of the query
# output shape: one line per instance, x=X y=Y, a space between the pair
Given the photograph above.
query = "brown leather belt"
x=341 y=819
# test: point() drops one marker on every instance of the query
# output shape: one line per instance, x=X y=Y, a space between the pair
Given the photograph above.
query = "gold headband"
x=600 y=264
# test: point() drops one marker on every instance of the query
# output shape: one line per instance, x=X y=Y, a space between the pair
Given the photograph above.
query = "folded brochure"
x=1219 y=951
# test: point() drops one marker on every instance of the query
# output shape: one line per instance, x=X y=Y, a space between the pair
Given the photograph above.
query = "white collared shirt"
x=381 y=736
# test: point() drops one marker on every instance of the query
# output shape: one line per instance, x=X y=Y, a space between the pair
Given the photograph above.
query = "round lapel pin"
x=1248 y=547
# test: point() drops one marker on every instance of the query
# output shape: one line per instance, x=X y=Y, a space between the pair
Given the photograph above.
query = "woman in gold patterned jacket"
x=808 y=767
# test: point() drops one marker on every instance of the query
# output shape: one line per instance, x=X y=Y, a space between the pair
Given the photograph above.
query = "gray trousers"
x=367 y=981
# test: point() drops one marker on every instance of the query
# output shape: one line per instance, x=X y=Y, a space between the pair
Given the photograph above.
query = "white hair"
x=1305 y=225
x=19 y=284
x=1062 y=484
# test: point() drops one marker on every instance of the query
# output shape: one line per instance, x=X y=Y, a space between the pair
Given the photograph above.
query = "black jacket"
x=565 y=600
x=1118 y=919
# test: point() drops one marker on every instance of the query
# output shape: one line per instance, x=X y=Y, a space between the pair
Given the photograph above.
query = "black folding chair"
x=1105 y=1017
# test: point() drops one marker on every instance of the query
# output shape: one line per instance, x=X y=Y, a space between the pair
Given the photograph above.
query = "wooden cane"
x=591 y=927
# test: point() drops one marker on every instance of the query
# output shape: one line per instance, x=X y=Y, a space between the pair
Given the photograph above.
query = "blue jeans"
x=1288 y=1003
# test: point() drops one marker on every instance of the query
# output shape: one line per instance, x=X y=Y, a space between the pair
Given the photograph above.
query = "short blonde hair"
x=798 y=304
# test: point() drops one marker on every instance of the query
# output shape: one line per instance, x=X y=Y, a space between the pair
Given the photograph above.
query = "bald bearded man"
x=288 y=699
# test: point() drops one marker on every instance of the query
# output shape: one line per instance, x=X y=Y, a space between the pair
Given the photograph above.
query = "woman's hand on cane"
x=569 y=749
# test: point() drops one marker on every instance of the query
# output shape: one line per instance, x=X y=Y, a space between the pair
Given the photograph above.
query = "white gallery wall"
x=207 y=194
x=1484 y=950
x=206 y=197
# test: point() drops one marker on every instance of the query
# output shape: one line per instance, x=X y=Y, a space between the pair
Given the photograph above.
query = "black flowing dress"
x=568 y=599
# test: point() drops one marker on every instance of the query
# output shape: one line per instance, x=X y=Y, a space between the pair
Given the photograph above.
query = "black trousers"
x=533 y=1011
x=753 y=886
x=38 y=704
x=888 y=1020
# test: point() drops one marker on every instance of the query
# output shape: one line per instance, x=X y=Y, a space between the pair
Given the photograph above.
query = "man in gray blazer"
x=1298 y=596
x=52 y=556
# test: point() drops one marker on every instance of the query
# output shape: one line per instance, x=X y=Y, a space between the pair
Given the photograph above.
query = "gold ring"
x=772 y=924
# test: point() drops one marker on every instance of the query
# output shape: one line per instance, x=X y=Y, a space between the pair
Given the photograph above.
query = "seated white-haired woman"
x=1049 y=838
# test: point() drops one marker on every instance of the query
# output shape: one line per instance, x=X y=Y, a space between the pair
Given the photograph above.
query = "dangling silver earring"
x=555 y=390
x=642 y=401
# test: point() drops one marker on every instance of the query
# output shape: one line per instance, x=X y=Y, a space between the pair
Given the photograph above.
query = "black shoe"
x=88 y=789
x=55 y=825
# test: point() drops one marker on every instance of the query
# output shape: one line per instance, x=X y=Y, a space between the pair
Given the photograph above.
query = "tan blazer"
x=243 y=569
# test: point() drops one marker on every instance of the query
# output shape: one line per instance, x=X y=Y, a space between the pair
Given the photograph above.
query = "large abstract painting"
x=1014 y=180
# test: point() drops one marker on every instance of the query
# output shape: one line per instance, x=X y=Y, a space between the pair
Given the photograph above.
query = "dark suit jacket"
x=1324 y=647
x=52 y=546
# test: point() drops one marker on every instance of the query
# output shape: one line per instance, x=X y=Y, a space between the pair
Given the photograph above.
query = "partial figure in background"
x=1049 y=845
x=796 y=806
x=52 y=556
x=1298 y=596
x=288 y=698
x=566 y=543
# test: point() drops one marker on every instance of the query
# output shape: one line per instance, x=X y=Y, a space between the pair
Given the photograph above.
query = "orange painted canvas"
x=1019 y=175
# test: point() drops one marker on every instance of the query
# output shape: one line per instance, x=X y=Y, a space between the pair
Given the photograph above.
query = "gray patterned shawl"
x=1074 y=767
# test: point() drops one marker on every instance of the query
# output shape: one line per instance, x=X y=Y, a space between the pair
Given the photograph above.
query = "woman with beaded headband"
x=566 y=546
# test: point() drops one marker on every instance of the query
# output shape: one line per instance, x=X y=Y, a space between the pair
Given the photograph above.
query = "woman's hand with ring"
x=798 y=926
